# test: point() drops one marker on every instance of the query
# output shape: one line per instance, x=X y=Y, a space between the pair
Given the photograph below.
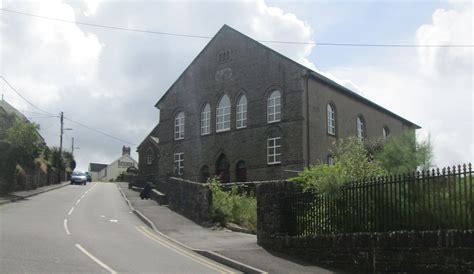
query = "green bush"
x=232 y=207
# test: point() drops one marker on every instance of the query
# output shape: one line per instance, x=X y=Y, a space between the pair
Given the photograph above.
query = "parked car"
x=89 y=176
x=78 y=177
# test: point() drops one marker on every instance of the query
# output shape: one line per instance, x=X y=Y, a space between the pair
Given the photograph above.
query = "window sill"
x=273 y=164
x=241 y=127
x=272 y=122
x=222 y=130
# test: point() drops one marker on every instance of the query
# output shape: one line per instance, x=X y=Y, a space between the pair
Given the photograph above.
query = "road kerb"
x=33 y=194
x=206 y=253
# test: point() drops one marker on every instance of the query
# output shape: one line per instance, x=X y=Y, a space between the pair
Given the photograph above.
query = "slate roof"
x=311 y=73
x=94 y=167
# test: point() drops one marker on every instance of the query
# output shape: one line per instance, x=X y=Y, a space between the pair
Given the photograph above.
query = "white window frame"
x=206 y=120
x=223 y=115
x=273 y=150
x=360 y=127
x=149 y=157
x=385 y=132
x=241 y=112
x=179 y=126
x=331 y=160
x=274 y=107
x=331 y=123
x=178 y=163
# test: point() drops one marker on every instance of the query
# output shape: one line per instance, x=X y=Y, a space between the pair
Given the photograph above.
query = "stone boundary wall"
x=442 y=251
x=190 y=199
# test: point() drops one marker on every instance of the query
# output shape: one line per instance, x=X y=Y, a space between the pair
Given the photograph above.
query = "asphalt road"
x=87 y=229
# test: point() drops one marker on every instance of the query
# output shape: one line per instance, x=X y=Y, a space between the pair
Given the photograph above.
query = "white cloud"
x=109 y=79
x=437 y=91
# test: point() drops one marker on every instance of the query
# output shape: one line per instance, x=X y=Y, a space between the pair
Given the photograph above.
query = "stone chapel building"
x=247 y=113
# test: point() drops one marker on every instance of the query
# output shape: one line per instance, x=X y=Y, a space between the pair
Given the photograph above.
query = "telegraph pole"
x=61 y=120
x=72 y=146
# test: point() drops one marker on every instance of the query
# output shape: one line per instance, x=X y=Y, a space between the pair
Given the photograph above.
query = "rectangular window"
x=274 y=150
x=179 y=164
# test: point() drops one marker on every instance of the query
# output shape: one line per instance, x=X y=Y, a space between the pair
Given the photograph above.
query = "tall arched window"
x=385 y=132
x=206 y=120
x=360 y=127
x=241 y=119
x=179 y=126
x=223 y=114
x=331 y=114
x=274 y=107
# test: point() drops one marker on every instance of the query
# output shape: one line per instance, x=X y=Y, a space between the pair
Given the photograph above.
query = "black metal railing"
x=427 y=200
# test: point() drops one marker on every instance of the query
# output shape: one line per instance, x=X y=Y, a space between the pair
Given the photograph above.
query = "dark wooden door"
x=222 y=169
x=241 y=172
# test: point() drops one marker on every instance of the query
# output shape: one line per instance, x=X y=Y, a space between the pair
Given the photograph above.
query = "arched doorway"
x=204 y=174
x=241 y=172
x=222 y=168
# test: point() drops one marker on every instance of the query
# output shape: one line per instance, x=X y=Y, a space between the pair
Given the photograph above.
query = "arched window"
x=274 y=142
x=206 y=120
x=149 y=156
x=179 y=126
x=331 y=114
x=178 y=163
x=274 y=107
x=331 y=160
x=385 y=132
x=360 y=127
x=223 y=114
x=241 y=112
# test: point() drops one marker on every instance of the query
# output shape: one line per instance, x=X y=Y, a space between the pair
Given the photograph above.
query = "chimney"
x=125 y=150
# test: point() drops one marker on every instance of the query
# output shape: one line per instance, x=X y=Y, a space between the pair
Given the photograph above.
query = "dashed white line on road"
x=95 y=259
x=70 y=211
x=113 y=221
x=78 y=201
x=65 y=227
x=82 y=197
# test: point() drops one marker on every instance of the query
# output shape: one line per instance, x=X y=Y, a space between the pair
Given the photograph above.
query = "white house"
x=120 y=165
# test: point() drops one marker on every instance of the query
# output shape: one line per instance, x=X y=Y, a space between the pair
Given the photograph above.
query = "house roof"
x=311 y=73
x=94 y=167
x=11 y=110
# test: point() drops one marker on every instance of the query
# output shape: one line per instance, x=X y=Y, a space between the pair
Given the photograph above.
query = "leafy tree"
x=402 y=154
x=351 y=163
x=54 y=161
x=25 y=142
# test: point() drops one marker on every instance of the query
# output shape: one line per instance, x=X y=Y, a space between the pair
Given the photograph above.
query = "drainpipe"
x=308 y=151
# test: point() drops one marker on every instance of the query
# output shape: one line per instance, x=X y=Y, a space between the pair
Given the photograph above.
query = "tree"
x=351 y=164
x=25 y=142
x=402 y=154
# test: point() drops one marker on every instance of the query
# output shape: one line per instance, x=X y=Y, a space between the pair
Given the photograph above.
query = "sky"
x=110 y=80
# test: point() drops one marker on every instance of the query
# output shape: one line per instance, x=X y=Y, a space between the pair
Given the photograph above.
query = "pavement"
x=20 y=195
x=232 y=248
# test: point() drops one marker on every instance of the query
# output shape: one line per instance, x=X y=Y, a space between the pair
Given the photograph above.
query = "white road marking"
x=65 y=227
x=103 y=216
x=82 y=197
x=113 y=221
x=78 y=201
x=70 y=211
x=95 y=259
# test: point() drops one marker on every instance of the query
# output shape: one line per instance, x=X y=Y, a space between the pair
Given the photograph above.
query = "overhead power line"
x=22 y=97
x=98 y=131
x=50 y=115
x=262 y=41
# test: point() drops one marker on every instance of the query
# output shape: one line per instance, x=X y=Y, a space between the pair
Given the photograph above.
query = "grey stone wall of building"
x=443 y=251
x=347 y=110
x=253 y=71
